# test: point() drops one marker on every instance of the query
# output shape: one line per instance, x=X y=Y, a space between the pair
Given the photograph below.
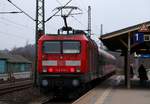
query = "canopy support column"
x=128 y=61
x=125 y=68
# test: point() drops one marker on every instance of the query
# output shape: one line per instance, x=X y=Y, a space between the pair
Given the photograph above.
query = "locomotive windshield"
x=52 y=47
x=71 y=47
x=64 y=47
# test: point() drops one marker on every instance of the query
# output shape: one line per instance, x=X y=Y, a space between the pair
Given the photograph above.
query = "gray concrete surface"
x=113 y=91
x=131 y=96
x=138 y=94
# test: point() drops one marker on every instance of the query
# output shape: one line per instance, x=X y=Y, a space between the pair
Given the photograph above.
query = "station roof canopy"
x=118 y=40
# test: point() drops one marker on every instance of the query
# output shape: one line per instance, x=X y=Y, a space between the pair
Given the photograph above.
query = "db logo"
x=61 y=63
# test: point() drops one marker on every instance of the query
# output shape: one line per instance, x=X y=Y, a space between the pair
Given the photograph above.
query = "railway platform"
x=115 y=92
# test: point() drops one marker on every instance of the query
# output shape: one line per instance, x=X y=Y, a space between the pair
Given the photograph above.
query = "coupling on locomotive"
x=70 y=60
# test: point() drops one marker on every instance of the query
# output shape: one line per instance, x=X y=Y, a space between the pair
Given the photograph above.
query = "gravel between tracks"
x=21 y=97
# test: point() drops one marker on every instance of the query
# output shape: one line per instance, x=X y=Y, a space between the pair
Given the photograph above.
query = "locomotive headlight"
x=44 y=69
x=75 y=82
x=78 y=70
x=44 y=83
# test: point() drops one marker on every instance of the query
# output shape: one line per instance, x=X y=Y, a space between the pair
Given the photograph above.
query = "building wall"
x=2 y=66
x=19 y=67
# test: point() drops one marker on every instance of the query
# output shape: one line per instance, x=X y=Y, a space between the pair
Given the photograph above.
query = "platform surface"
x=115 y=92
x=119 y=94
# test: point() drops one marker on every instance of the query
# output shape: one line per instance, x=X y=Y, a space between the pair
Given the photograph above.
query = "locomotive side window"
x=71 y=47
x=52 y=47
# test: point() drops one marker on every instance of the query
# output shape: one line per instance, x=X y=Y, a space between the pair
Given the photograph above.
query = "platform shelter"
x=133 y=39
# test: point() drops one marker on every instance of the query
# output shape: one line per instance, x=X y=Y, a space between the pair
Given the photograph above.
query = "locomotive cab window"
x=64 y=47
x=52 y=47
x=71 y=47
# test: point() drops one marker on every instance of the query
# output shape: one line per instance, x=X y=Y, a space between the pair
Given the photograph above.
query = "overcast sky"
x=16 y=29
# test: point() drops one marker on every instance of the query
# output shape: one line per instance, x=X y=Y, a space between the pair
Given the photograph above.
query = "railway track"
x=8 y=88
x=96 y=95
x=47 y=100
x=42 y=100
x=103 y=86
x=58 y=100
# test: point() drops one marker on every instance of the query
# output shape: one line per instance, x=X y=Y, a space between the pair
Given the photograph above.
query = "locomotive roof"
x=64 y=37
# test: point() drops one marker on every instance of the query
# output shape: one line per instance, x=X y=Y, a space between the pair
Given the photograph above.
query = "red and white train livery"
x=68 y=61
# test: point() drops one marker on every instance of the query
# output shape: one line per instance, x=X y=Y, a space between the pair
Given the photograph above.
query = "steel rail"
x=15 y=87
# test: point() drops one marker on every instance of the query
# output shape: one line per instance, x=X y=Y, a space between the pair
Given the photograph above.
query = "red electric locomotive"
x=67 y=61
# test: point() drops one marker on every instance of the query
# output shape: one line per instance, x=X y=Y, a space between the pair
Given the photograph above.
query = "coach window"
x=52 y=47
x=71 y=47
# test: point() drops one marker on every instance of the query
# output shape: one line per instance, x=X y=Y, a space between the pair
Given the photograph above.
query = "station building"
x=10 y=64
x=129 y=41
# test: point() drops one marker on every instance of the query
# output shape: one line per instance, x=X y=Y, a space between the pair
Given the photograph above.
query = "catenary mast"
x=40 y=29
